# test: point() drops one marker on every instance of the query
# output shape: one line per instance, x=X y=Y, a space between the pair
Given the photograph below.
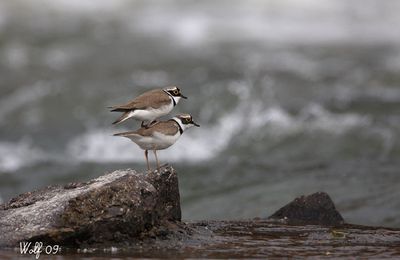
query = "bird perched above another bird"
x=160 y=135
x=149 y=106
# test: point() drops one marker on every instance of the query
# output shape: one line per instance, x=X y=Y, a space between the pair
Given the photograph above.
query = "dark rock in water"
x=129 y=214
x=314 y=209
x=119 y=206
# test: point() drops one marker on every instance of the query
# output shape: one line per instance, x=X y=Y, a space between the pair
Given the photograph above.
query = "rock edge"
x=119 y=206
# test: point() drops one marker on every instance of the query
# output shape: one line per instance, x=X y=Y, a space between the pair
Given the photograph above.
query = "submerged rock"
x=314 y=209
x=119 y=206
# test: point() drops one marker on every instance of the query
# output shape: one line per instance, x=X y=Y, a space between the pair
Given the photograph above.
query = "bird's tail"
x=131 y=135
x=122 y=118
x=117 y=109
x=119 y=134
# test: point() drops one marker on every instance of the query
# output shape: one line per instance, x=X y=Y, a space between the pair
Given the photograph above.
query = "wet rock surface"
x=260 y=238
x=314 y=209
x=119 y=206
x=256 y=238
x=130 y=214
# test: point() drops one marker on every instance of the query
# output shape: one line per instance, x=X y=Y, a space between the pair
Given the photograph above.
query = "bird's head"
x=175 y=93
x=185 y=121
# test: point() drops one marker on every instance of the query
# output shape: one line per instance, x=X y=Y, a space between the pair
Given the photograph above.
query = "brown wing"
x=169 y=127
x=166 y=127
x=153 y=98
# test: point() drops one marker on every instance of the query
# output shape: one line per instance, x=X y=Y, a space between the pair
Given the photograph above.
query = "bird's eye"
x=176 y=92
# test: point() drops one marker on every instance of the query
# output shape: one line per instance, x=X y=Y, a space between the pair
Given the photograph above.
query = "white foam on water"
x=16 y=54
x=150 y=77
x=190 y=24
x=98 y=145
x=14 y=156
x=191 y=29
x=278 y=122
x=277 y=21
x=384 y=94
x=23 y=96
x=196 y=144
x=206 y=142
x=85 y=6
x=316 y=117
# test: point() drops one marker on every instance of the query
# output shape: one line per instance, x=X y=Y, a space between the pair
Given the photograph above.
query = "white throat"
x=176 y=99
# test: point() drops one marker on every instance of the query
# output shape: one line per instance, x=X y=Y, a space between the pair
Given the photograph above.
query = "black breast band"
x=180 y=128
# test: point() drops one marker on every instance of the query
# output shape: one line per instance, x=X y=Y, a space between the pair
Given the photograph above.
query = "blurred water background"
x=293 y=97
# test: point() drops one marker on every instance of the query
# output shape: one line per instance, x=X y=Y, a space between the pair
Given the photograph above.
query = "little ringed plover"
x=159 y=135
x=149 y=106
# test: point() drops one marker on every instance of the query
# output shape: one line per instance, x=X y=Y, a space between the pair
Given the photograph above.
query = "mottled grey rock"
x=314 y=209
x=119 y=206
x=89 y=215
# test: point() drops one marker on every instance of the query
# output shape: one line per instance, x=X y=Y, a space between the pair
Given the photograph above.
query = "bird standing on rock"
x=160 y=135
x=149 y=106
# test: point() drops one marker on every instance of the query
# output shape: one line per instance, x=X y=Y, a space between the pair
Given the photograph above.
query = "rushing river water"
x=292 y=97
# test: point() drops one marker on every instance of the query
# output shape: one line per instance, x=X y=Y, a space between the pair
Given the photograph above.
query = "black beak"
x=195 y=124
x=182 y=96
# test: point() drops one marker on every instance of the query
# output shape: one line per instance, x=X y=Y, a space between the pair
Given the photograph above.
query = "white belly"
x=156 y=142
x=151 y=114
